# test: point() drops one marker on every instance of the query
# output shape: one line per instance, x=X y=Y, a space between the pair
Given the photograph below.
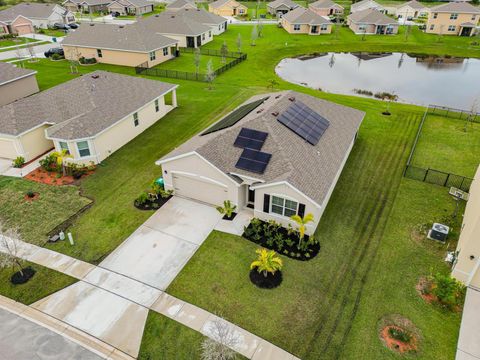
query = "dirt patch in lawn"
x=31 y=197
x=52 y=178
x=399 y=334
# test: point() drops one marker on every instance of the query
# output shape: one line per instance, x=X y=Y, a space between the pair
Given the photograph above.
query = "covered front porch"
x=467 y=29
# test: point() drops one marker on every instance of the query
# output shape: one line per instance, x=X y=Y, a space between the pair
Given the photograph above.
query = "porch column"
x=174 y=98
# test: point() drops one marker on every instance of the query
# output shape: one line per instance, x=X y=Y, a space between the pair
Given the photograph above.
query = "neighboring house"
x=41 y=15
x=181 y=4
x=91 y=116
x=262 y=160
x=127 y=45
x=227 y=8
x=467 y=265
x=372 y=21
x=16 y=83
x=218 y=24
x=326 y=8
x=305 y=21
x=19 y=25
x=455 y=18
x=87 y=6
x=281 y=7
x=411 y=10
x=186 y=31
x=366 y=4
x=130 y=7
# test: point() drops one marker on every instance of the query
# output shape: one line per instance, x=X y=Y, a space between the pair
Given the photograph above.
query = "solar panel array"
x=305 y=122
x=250 y=139
x=253 y=160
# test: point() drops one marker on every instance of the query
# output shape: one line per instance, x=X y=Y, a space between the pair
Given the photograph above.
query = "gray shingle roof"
x=325 y=4
x=9 y=73
x=301 y=15
x=199 y=15
x=128 y=38
x=276 y=3
x=371 y=16
x=90 y=2
x=82 y=107
x=414 y=4
x=180 y=4
x=28 y=10
x=458 y=7
x=220 y=3
x=135 y=3
x=360 y=4
x=171 y=23
x=311 y=169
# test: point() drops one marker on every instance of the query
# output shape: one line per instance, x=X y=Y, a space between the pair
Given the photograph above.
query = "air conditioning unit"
x=438 y=232
x=457 y=193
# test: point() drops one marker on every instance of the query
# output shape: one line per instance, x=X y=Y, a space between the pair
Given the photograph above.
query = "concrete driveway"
x=158 y=250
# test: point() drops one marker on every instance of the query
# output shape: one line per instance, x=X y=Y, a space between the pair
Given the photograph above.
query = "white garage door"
x=199 y=189
x=7 y=149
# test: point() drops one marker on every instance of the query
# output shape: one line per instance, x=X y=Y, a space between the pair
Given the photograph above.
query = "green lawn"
x=445 y=145
x=52 y=32
x=43 y=283
x=186 y=62
x=16 y=41
x=35 y=219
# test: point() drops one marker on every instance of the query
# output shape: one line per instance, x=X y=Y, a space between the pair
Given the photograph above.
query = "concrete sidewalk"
x=468 y=347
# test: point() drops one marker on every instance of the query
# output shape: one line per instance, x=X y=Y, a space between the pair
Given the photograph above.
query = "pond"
x=416 y=79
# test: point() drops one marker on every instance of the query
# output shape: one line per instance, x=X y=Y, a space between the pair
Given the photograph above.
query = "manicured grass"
x=52 y=32
x=43 y=283
x=445 y=145
x=23 y=45
x=35 y=219
x=186 y=62
x=16 y=41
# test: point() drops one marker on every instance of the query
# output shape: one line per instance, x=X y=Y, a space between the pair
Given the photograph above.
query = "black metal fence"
x=454 y=113
x=237 y=57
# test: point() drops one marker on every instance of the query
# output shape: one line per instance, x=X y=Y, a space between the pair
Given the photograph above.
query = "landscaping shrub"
x=400 y=334
x=18 y=162
x=228 y=210
x=265 y=272
x=449 y=292
x=30 y=194
x=86 y=61
x=56 y=57
x=49 y=163
x=154 y=198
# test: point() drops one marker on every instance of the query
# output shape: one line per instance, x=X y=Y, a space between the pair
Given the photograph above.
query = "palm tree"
x=228 y=208
x=302 y=225
x=61 y=157
x=267 y=262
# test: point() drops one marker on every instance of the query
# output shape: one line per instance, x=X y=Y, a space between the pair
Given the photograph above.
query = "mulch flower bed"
x=225 y=217
x=270 y=281
x=40 y=175
x=398 y=345
x=399 y=334
x=288 y=248
x=18 y=278
x=152 y=205
x=424 y=288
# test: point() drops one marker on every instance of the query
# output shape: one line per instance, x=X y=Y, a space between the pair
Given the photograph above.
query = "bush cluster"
x=86 y=61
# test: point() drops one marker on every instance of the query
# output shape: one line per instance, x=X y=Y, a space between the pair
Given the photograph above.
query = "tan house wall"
x=34 y=143
x=304 y=28
x=228 y=9
x=8 y=148
x=18 y=89
x=443 y=19
x=326 y=11
x=370 y=28
x=467 y=269
x=407 y=11
x=71 y=7
x=4 y=29
x=117 y=57
x=22 y=26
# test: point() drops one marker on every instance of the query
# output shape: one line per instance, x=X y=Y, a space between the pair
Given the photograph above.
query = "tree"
x=267 y=262
x=196 y=59
x=73 y=61
x=224 y=51
x=210 y=75
x=220 y=342
x=62 y=156
x=407 y=32
x=440 y=33
x=31 y=52
x=239 y=42
x=302 y=226
x=254 y=35
x=228 y=208
x=272 y=83
x=260 y=28
x=10 y=243
x=471 y=116
x=337 y=27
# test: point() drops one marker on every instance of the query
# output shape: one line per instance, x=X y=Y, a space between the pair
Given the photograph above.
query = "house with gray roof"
x=126 y=45
x=41 y=15
x=16 y=83
x=227 y=8
x=411 y=10
x=305 y=21
x=281 y=7
x=326 y=8
x=181 y=4
x=87 y=6
x=218 y=24
x=278 y=154
x=367 y=4
x=130 y=7
x=454 y=18
x=371 y=21
x=91 y=116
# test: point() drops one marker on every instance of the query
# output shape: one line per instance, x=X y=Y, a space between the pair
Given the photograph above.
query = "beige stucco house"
x=39 y=15
x=218 y=24
x=264 y=161
x=411 y=10
x=326 y=8
x=372 y=22
x=108 y=111
x=16 y=83
x=454 y=18
x=467 y=265
x=305 y=21
x=87 y=6
x=227 y=8
x=367 y=4
x=130 y=7
x=19 y=25
x=281 y=7
x=127 y=45
x=181 y=4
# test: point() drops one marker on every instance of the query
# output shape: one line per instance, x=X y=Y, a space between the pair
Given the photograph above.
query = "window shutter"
x=266 y=203
x=301 y=210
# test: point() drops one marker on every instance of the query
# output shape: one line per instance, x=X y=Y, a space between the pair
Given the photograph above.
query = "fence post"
x=446 y=180
x=426 y=174
x=461 y=184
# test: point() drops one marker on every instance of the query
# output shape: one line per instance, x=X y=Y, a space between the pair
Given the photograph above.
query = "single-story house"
x=127 y=45
x=263 y=159
x=281 y=7
x=372 y=21
x=411 y=10
x=181 y=4
x=19 y=26
x=130 y=7
x=218 y=24
x=305 y=21
x=41 y=15
x=16 y=83
x=91 y=116
x=454 y=18
x=188 y=32
x=227 y=8
x=366 y=4
x=326 y=8
x=87 y=6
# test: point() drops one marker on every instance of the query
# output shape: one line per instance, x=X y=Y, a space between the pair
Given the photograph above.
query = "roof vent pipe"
x=275 y=113
x=291 y=98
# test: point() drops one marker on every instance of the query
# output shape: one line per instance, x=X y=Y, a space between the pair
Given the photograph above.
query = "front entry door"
x=251 y=199
x=199 y=40
x=190 y=42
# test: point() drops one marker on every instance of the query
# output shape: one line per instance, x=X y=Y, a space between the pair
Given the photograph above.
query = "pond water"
x=422 y=80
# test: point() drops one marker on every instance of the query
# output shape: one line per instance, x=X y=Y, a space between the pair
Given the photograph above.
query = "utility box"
x=438 y=232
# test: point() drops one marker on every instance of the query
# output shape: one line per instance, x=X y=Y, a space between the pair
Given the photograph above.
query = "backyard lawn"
x=186 y=62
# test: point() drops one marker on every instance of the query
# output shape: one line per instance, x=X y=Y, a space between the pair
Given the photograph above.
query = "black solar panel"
x=253 y=160
x=250 y=139
x=305 y=122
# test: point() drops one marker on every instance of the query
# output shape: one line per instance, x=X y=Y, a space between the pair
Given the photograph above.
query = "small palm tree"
x=267 y=262
x=302 y=225
x=228 y=208
x=61 y=159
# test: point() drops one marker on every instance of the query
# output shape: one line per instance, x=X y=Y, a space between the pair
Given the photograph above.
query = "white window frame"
x=136 y=121
x=296 y=27
x=157 y=105
x=87 y=148
x=451 y=28
x=453 y=16
x=152 y=55
x=323 y=27
x=165 y=51
x=283 y=206
x=64 y=148
x=362 y=27
x=99 y=53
